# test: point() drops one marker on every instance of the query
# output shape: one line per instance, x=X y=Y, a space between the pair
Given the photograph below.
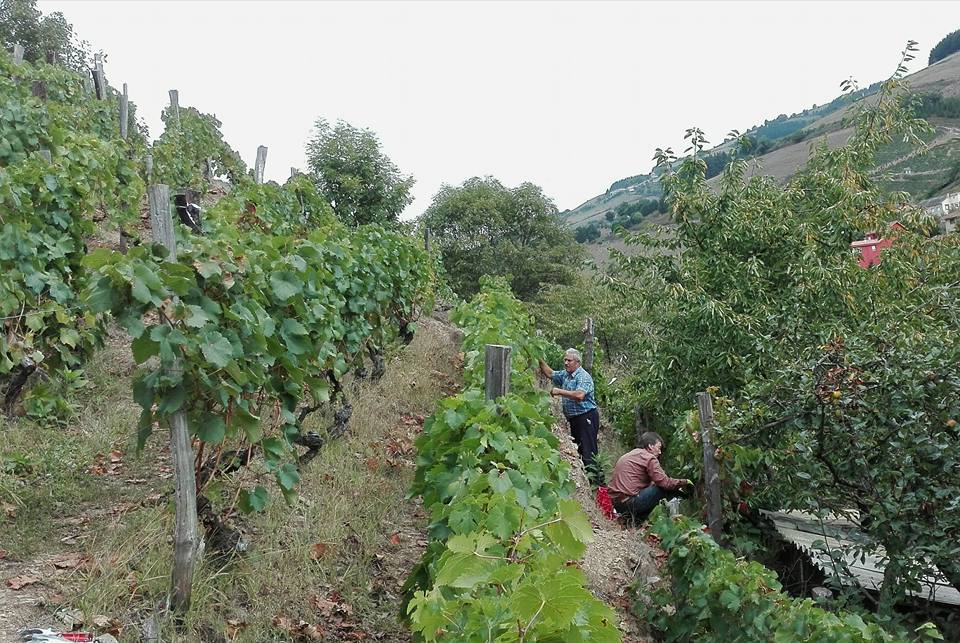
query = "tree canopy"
x=948 y=44
x=837 y=386
x=361 y=183
x=41 y=35
x=485 y=228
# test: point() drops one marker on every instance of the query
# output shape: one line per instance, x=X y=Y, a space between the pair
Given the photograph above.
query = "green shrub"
x=716 y=596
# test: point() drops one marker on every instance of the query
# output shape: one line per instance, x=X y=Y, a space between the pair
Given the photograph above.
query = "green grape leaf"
x=252 y=501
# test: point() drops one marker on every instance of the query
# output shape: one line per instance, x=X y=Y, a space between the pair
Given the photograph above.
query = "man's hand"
x=546 y=370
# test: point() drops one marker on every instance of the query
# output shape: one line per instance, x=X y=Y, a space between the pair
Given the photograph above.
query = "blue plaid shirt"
x=579 y=380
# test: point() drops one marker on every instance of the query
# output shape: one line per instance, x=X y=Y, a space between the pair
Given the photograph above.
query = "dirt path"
x=617 y=557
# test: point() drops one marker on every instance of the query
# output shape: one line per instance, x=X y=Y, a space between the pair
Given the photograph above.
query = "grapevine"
x=266 y=313
x=502 y=524
x=47 y=209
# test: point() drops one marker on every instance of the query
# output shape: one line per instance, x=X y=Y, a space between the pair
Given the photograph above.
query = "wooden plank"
x=711 y=470
x=496 y=371
x=866 y=568
x=185 y=537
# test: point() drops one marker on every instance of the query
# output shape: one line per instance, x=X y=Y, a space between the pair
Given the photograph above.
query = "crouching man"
x=639 y=483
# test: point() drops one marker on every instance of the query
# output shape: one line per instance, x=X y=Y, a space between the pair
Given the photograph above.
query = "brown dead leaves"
x=336 y=617
x=70 y=561
x=107 y=464
x=19 y=582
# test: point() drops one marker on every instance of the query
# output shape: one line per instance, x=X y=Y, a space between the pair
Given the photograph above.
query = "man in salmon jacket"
x=639 y=483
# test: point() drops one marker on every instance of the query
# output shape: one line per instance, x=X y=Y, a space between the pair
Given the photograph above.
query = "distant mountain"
x=782 y=147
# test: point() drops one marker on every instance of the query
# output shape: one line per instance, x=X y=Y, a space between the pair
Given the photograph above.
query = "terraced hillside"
x=924 y=174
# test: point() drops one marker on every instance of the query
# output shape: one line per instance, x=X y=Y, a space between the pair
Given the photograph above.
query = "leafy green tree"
x=587 y=233
x=948 y=45
x=842 y=381
x=484 y=228
x=41 y=35
x=361 y=183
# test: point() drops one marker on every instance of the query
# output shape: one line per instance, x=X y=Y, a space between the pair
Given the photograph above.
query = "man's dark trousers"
x=638 y=507
x=584 y=429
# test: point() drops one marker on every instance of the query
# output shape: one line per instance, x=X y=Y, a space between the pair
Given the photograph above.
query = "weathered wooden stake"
x=208 y=170
x=175 y=105
x=148 y=167
x=711 y=470
x=51 y=58
x=124 y=113
x=17 y=54
x=39 y=89
x=46 y=156
x=426 y=239
x=99 y=79
x=293 y=172
x=260 y=164
x=185 y=537
x=496 y=371
x=588 y=345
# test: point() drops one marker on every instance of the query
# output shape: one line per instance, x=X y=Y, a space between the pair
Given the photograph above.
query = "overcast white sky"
x=569 y=95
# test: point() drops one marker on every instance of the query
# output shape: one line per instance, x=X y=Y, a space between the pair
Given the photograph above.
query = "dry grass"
x=329 y=567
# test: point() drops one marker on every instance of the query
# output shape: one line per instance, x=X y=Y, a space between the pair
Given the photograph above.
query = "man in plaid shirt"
x=575 y=386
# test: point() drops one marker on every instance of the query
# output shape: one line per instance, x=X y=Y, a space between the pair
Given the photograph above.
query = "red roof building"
x=871 y=247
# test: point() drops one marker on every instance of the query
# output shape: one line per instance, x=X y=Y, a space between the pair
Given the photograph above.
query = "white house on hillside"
x=950 y=212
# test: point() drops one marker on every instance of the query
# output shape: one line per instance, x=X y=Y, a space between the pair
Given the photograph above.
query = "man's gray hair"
x=575 y=354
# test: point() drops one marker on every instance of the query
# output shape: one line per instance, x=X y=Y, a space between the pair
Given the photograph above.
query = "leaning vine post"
x=496 y=371
x=185 y=535
x=711 y=470
x=588 y=345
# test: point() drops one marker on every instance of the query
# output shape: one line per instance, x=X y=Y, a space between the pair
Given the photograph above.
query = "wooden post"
x=496 y=371
x=208 y=170
x=175 y=105
x=99 y=80
x=426 y=239
x=711 y=470
x=260 y=164
x=185 y=536
x=588 y=345
x=124 y=113
x=293 y=172
x=17 y=54
x=51 y=58
x=46 y=156
x=39 y=89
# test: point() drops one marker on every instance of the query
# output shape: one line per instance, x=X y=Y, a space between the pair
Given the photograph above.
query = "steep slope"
x=923 y=174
